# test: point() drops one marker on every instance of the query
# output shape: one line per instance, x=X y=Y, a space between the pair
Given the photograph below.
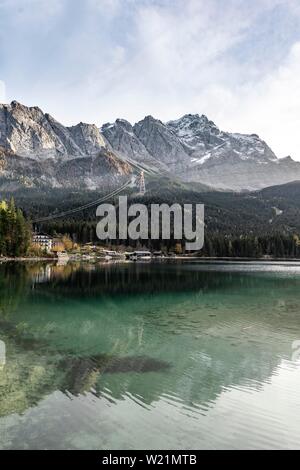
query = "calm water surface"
x=155 y=356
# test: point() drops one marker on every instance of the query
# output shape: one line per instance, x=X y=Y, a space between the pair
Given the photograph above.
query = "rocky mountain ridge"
x=196 y=150
x=37 y=149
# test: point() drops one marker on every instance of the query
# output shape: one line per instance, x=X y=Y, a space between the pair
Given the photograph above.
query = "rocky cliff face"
x=28 y=132
x=162 y=143
x=121 y=137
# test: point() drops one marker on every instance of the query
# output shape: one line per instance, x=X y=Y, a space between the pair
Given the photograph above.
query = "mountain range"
x=36 y=151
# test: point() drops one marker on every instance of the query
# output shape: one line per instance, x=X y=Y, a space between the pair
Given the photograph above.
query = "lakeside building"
x=43 y=241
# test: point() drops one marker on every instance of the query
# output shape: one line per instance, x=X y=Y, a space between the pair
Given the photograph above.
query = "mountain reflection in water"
x=145 y=338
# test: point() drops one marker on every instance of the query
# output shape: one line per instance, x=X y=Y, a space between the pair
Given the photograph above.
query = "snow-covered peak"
x=119 y=123
x=197 y=134
x=195 y=130
x=250 y=146
x=192 y=122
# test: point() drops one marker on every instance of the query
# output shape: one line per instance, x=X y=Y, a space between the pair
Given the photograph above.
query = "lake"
x=170 y=355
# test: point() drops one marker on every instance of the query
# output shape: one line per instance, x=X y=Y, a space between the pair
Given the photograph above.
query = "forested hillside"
x=250 y=224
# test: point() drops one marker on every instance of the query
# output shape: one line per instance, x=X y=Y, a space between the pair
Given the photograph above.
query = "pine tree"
x=14 y=230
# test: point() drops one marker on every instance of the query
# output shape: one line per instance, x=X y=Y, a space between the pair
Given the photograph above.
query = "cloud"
x=97 y=60
x=2 y=92
x=163 y=58
x=31 y=12
x=108 y=8
x=270 y=108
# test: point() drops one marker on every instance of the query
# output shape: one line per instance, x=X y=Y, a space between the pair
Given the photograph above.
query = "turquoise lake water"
x=150 y=356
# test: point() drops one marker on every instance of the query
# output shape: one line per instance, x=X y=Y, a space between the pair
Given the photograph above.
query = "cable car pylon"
x=141 y=183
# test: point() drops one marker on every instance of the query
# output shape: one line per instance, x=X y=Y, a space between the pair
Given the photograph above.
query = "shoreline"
x=177 y=258
x=29 y=258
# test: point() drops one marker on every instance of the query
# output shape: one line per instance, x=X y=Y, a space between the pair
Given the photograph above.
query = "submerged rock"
x=135 y=364
x=82 y=372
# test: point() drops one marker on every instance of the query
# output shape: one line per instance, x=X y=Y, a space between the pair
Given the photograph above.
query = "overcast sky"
x=237 y=61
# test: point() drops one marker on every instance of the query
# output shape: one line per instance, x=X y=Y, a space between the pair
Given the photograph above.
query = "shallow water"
x=155 y=356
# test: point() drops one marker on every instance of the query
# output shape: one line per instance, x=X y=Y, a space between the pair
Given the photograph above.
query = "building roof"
x=41 y=234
